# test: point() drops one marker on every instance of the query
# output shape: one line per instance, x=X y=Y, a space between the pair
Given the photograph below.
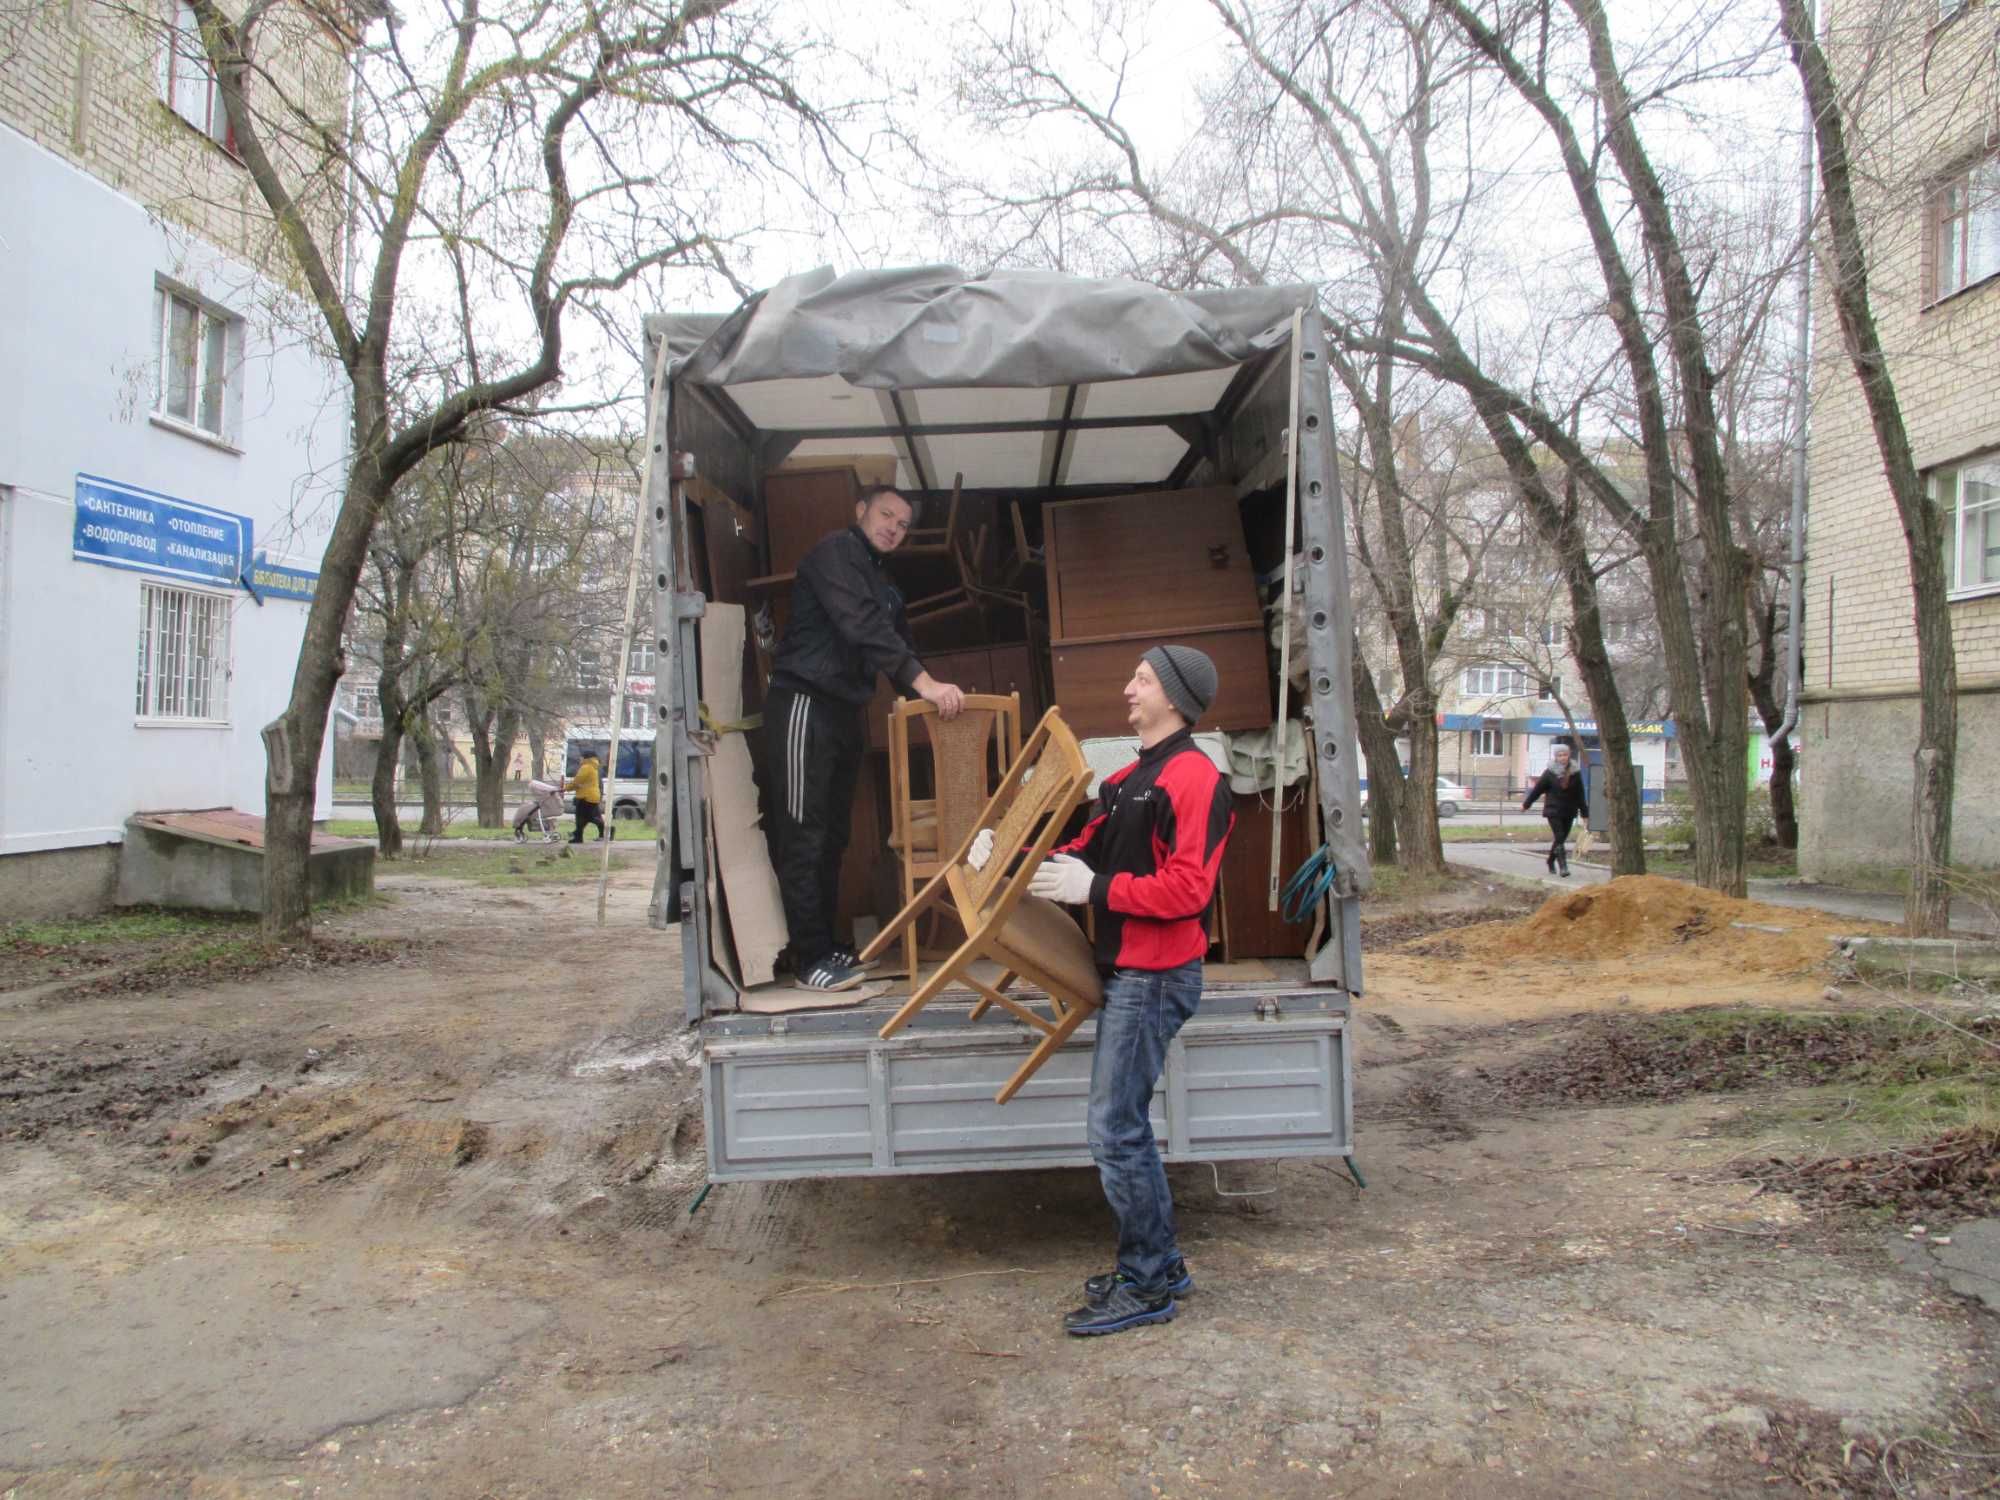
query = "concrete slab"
x=212 y=859
x=1969 y=1264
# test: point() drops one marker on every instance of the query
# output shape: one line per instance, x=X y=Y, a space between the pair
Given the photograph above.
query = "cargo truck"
x=993 y=402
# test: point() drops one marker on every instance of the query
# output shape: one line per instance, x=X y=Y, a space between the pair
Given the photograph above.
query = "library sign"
x=122 y=526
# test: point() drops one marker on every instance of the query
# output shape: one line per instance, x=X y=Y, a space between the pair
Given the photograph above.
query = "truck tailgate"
x=1250 y=1076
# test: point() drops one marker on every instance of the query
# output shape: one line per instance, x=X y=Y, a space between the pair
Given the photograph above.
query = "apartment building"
x=171 y=441
x=1925 y=134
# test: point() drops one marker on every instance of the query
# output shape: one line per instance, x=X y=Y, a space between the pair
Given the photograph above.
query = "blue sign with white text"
x=123 y=526
x=269 y=580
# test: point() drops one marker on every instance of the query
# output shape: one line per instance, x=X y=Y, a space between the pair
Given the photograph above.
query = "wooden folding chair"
x=969 y=755
x=1027 y=937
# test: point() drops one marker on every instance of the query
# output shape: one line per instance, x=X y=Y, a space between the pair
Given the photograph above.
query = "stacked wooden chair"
x=1027 y=938
x=969 y=756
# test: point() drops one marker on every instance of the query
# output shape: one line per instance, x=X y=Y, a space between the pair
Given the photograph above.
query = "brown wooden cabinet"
x=1129 y=572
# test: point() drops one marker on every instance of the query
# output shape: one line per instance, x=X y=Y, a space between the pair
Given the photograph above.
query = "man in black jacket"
x=846 y=624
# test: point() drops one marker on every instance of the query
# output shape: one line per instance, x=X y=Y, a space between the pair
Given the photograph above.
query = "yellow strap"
x=741 y=726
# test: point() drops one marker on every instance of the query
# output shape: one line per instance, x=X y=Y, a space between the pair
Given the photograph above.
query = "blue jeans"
x=1143 y=1011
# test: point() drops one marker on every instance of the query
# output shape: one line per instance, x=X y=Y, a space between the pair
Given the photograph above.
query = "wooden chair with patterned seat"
x=969 y=755
x=1026 y=937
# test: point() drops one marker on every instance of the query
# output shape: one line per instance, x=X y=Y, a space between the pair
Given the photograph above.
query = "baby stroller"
x=539 y=813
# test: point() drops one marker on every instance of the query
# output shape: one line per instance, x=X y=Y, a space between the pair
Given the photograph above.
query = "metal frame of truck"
x=1264 y=1069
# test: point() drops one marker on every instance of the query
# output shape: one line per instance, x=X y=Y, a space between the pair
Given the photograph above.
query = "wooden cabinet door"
x=803 y=505
x=1154 y=563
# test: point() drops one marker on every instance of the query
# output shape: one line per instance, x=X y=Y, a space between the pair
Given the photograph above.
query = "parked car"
x=1450 y=797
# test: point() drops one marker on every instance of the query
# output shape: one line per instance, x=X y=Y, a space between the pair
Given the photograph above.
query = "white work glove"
x=1063 y=878
x=982 y=849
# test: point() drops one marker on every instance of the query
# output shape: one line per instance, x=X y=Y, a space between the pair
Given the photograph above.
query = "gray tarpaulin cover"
x=936 y=326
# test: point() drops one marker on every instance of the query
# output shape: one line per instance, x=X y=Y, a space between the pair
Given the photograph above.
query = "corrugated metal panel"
x=793 y=1106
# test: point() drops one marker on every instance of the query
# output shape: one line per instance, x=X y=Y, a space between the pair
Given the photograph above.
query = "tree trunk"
x=1927 y=908
x=292 y=741
x=430 y=770
x=1416 y=813
x=1784 y=805
x=1385 y=771
x=490 y=756
x=382 y=792
x=1771 y=709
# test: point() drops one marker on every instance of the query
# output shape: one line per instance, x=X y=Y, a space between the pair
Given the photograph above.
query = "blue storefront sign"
x=269 y=580
x=123 y=526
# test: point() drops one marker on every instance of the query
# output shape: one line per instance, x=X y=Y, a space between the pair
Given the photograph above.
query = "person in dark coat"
x=846 y=626
x=1561 y=791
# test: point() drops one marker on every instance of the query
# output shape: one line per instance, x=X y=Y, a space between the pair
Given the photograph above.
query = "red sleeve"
x=1188 y=862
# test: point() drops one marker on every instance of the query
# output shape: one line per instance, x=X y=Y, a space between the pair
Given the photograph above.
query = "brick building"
x=171 y=442
x=1925 y=132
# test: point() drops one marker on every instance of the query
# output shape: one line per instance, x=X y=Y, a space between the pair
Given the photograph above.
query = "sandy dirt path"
x=423 y=1229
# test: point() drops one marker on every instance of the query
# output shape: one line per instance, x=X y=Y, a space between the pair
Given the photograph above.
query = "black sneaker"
x=847 y=958
x=1180 y=1281
x=829 y=974
x=1122 y=1308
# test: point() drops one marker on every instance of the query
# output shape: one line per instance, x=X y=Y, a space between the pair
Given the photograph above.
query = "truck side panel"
x=1236 y=1086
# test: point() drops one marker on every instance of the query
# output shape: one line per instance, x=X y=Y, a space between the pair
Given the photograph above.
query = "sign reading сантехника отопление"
x=123 y=526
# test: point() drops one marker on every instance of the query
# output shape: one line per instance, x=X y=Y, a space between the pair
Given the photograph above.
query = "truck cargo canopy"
x=1015 y=379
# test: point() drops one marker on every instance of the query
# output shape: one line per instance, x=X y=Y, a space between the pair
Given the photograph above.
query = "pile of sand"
x=1637 y=915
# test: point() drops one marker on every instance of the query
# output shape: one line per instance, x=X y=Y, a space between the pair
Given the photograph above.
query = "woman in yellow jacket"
x=589 y=806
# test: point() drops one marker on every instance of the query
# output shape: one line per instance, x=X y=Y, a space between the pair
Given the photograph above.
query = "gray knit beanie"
x=1187 y=677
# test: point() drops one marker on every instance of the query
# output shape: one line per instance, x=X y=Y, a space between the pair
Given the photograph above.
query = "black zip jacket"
x=847 y=624
x=1155 y=840
x=1561 y=799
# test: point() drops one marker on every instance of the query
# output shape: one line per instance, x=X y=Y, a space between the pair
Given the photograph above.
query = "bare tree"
x=503 y=165
x=1928 y=906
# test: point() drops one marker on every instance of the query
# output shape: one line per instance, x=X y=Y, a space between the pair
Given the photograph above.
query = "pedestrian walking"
x=1561 y=791
x=588 y=786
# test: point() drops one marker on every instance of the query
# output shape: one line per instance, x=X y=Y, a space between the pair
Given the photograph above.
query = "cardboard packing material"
x=749 y=884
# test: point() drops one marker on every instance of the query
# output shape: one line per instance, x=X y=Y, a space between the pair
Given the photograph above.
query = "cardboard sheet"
x=780 y=999
x=749 y=884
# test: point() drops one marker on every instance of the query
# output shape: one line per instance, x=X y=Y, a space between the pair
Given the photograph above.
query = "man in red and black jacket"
x=1146 y=865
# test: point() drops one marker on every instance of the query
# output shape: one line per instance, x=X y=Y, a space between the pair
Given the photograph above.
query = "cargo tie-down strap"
x=739 y=726
x=1308 y=886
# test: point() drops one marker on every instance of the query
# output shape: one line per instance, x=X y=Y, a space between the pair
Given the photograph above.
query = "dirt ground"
x=422 y=1227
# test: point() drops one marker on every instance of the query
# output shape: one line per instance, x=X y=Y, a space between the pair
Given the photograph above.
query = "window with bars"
x=1965 y=228
x=187 y=79
x=183 y=654
x=1969 y=495
x=196 y=352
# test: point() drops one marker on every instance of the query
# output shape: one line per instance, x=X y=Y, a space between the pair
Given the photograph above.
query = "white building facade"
x=170 y=455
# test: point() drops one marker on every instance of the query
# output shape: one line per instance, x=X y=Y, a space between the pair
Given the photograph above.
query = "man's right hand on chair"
x=982 y=849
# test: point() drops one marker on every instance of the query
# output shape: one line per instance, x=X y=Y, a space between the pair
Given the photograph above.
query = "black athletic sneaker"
x=829 y=974
x=1122 y=1308
x=1180 y=1281
x=847 y=958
